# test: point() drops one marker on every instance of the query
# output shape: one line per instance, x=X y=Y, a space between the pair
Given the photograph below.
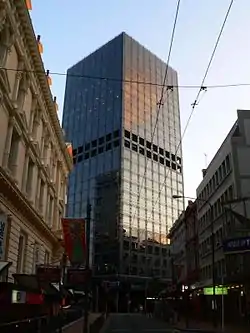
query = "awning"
x=4 y=265
x=27 y=282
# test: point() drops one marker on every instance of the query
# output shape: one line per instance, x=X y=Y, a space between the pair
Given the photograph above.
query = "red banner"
x=75 y=239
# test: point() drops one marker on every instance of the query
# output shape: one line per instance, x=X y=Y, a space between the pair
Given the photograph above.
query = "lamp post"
x=213 y=250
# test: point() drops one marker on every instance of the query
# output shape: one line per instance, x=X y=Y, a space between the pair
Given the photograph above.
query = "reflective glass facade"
x=110 y=123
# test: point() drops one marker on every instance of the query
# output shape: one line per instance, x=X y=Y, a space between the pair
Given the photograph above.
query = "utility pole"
x=87 y=231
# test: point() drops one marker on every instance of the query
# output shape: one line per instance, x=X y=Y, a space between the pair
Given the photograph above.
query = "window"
x=155 y=157
x=127 y=144
x=12 y=162
x=87 y=146
x=116 y=143
x=100 y=150
x=49 y=210
x=86 y=156
x=41 y=195
x=21 y=255
x=179 y=168
x=141 y=150
x=46 y=257
x=161 y=151
x=93 y=153
x=228 y=166
x=134 y=147
x=94 y=143
x=108 y=146
x=167 y=154
x=79 y=158
x=108 y=137
x=134 y=137
x=116 y=134
x=36 y=255
x=80 y=149
x=155 y=148
x=29 y=182
x=141 y=141
x=148 y=154
x=127 y=134
x=148 y=144
x=101 y=140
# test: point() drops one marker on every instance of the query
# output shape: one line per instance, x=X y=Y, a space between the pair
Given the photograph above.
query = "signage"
x=75 y=239
x=218 y=291
x=237 y=245
x=111 y=284
x=50 y=274
x=18 y=297
x=3 y=235
x=77 y=277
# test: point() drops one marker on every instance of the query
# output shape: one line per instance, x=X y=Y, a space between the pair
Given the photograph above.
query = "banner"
x=75 y=240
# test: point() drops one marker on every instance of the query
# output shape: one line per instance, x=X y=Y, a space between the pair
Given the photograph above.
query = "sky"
x=70 y=30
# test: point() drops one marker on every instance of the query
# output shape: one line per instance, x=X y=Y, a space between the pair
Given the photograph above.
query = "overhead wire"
x=159 y=104
x=90 y=77
x=201 y=88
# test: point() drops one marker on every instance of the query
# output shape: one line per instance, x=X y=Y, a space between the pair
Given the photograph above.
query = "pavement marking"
x=166 y=330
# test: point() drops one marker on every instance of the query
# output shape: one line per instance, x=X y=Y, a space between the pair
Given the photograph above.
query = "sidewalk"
x=77 y=326
x=206 y=326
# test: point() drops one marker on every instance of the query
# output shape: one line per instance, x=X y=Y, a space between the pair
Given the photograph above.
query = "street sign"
x=237 y=245
x=218 y=291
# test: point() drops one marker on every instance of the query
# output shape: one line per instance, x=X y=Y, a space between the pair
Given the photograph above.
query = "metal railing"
x=42 y=324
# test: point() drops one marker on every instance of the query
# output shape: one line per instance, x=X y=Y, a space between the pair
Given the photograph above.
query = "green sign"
x=218 y=291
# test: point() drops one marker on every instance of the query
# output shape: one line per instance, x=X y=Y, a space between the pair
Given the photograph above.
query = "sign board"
x=218 y=291
x=77 y=277
x=3 y=235
x=18 y=296
x=111 y=284
x=51 y=274
x=237 y=245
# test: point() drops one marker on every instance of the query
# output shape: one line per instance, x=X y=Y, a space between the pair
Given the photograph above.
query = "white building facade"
x=226 y=178
x=34 y=160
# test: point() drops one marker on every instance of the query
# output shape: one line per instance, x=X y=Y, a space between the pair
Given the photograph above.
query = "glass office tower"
x=110 y=112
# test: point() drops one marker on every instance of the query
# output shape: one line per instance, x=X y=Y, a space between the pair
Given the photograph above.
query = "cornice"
x=30 y=38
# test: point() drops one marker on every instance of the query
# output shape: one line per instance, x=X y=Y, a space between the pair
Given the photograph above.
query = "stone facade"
x=34 y=160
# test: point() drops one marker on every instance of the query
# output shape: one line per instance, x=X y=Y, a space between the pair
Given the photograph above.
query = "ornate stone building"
x=34 y=159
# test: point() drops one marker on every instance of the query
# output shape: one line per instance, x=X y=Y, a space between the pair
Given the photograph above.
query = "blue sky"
x=71 y=30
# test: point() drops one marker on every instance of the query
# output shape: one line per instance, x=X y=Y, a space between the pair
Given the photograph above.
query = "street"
x=134 y=323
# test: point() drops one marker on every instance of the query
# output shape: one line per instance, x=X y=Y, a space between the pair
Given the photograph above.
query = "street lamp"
x=213 y=249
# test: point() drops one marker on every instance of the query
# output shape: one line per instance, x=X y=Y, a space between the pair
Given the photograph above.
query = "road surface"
x=134 y=323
